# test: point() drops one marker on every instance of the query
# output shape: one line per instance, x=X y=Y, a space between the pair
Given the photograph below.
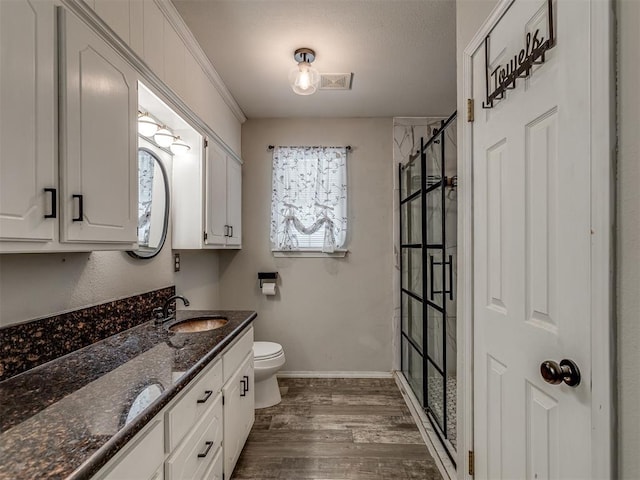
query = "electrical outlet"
x=176 y=262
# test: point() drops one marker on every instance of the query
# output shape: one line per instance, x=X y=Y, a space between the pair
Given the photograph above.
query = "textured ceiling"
x=402 y=53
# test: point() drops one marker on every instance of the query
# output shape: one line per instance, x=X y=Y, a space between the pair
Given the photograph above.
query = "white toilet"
x=268 y=358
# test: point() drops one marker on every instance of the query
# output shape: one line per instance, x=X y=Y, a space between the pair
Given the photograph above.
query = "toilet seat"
x=266 y=350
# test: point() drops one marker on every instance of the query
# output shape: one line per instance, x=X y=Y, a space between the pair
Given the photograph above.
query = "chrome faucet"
x=164 y=313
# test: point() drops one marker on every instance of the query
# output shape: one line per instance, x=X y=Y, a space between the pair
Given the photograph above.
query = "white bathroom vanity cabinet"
x=200 y=434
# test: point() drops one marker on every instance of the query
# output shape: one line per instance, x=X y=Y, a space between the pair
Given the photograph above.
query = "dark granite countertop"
x=66 y=418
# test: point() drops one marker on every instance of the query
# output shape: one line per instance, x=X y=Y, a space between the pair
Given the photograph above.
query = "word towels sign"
x=503 y=77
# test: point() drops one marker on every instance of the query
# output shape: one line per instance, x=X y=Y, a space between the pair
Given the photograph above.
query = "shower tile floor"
x=435 y=387
x=336 y=429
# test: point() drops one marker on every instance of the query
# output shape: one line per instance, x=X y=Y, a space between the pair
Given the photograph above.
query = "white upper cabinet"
x=99 y=102
x=207 y=194
x=234 y=202
x=154 y=30
x=28 y=173
x=111 y=12
x=174 y=71
x=216 y=196
x=153 y=37
x=223 y=207
x=83 y=196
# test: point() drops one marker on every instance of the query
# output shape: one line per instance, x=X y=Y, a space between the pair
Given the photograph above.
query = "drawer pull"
x=246 y=377
x=206 y=450
x=207 y=394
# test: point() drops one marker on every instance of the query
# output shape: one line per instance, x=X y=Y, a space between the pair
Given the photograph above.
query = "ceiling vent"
x=335 y=81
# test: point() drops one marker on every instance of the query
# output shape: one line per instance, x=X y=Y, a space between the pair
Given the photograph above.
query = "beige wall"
x=43 y=284
x=331 y=314
x=628 y=238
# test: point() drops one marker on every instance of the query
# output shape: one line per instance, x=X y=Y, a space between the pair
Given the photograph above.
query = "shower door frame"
x=427 y=280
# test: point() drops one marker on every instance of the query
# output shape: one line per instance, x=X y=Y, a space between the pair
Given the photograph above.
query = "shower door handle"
x=431 y=290
x=450 y=277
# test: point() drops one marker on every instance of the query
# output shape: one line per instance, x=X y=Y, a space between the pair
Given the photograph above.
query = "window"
x=309 y=199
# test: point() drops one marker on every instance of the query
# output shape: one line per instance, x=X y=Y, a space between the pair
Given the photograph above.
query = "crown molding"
x=184 y=32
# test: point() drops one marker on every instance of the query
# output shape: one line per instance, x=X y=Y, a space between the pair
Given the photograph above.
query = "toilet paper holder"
x=269 y=277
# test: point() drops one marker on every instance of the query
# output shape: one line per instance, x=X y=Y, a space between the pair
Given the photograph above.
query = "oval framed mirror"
x=153 y=204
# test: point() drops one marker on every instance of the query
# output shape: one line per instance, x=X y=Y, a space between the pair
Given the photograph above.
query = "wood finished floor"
x=336 y=429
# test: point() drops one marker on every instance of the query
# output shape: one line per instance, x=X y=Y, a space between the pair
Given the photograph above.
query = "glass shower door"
x=427 y=279
x=412 y=285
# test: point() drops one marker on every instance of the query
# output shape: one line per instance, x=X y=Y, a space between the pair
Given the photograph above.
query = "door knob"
x=555 y=374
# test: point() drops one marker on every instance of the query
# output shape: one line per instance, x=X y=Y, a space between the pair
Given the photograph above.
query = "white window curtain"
x=309 y=200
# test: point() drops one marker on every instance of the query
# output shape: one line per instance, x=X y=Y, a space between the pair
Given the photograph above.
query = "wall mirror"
x=153 y=204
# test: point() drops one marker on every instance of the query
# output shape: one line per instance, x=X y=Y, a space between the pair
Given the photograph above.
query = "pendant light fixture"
x=304 y=79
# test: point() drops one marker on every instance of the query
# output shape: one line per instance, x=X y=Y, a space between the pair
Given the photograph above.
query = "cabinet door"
x=27 y=120
x=215 y=470
x=147 y=445
x=98 y=142
x=239 y=413
x=234 y=201
x=216 y=195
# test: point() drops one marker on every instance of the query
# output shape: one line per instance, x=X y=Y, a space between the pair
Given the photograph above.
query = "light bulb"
x=164 y=137
x=179 y=147
x=304 y=79
x=147 y=126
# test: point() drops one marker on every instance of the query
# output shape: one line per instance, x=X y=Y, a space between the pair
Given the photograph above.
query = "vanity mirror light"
x=153 y=201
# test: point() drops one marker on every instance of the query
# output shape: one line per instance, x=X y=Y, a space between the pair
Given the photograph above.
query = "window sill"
x=308 y=253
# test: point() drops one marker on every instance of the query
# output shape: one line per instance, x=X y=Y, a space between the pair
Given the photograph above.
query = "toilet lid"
x=266 y=350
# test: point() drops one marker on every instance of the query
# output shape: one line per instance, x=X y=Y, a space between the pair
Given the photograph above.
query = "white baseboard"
x=436 y=449
x=339 y=374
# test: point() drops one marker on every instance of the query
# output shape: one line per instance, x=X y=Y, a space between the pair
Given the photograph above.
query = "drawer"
x=190 y=407
x=234 y=356
x=148 y=444
x=199 y=450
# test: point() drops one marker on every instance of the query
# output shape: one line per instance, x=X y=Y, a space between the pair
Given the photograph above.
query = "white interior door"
x=532 y=250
